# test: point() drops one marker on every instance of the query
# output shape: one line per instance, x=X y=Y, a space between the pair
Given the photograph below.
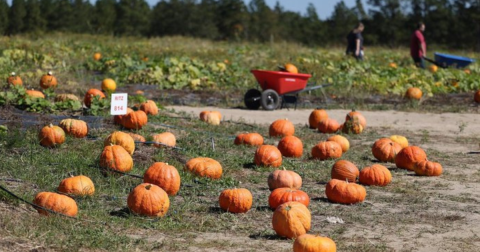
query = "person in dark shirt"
x=418 y=47
x=355 y=42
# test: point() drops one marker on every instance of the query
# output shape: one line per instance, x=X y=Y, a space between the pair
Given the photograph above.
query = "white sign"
x=119 y=104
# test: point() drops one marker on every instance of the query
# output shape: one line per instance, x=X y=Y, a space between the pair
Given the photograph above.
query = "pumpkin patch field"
x=325 y=177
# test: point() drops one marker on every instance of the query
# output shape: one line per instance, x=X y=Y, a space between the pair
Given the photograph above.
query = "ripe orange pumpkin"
x=428 y=168
x=291 y=146
x=392 y=65
x=56 y=202
x=253 y=139
x=237 y=200
x=74 y=127
x=290 y=68
x=115 y=157
x=135 y=120
x=109 y=85
x=385 y=150
x=51 y=136
x=121 y=138
x=327 y=150
x=34 y=94
x=118 y=119
x=476 y=96
x=136 y=137
x=281 y=127
x=314 y=243
x=48 y=81
x=268 y=155
x=401 y=140
x=291 y=219
x=315 y=117
x=414 y=93
x=164 y=175
x=343 y=192
x=14 y=80
x=353 y=116
x=283 y=195
x=149 y=107
x=375 y=174
x=91 y=93
x=345 y=170
x=343 y=141
x=433 y=68
x=328 y=125
x=149 y=200
x=211 y=117
x=284 y=178
x=77 y=186
x=204 y=167
x=97 y=56
x=165 y=138
x=408 y=156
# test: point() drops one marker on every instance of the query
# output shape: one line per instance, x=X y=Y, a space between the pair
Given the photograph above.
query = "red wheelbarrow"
x=278 y=87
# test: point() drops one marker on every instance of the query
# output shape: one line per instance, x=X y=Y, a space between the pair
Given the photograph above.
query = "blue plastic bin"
x=447 y=60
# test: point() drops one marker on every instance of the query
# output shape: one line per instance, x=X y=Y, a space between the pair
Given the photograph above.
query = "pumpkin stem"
x=50 y=73
x=51 y=125
x=12 y=74
x=148 y=187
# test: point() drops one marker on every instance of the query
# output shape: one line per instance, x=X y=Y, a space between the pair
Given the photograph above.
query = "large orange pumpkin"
x=355 y=116
x=238 y=200
x=281 y=127
x=345 y=170
x=291 y=146
x=268 y=155
x=149 y=107
x=343 y=192
x=408 y=156
x=291 y=219
x=74 y=127
x=284 y=178
x=118 y=119
x=77 y=186
x=121 y=138
x=164 y=175
x=314 y=243
x=48 y=81
x=414 y=93
x=428 y=168
x=343 y=141
x=51 y=136
x=327 y=150
x=283 y=195
x=328 y=125
x=89 y=96
x=253 y=139
x=165 y=138
x=204 y=167
x=375 y=174
x=135 y=120
x=14 y=80
x=115 y=157
x=56 y=202
x=291 y=68
x=315 y=117
x=385 y=150
x=149 y=200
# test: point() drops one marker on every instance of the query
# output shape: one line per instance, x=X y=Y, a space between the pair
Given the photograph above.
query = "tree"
x=104 y=17
x=341 y=22
x=4 y=8
x=34 y=22
x=261 y=25
x=133 y=18
x=16 y=16
x=232 y=17
x=82 y=15
x=389 y=21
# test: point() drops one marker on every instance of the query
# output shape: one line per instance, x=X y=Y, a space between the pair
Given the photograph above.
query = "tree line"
x=452 y=23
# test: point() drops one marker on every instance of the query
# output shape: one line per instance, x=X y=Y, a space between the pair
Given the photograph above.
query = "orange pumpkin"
x=476 y=96
x=268 y=155
x=164 y=175
x=408 y=156
x=327 y=150
x=291 y=219
x=343 y=141
x=204 y=167
x=343 y=192
x=328 y=125
x=211 y=117
x=75 y=128
x=385 y=150
x=14 y=80
x=283 y=195
x=401 y=140
x=291 y=68
x=314 y=243
x=109 y=85
x=252 y=139
x=121 y=138
x=148 y=200
x=375 y=174
x=34 y=94
x=55 y=202
x=284 y=178
x=48 y=81
x=136 y=137
x=89 y=96
x=66 y=97
x=392 y=65
x=433 y=68
x=115 y=157
x=149 y=107
x=291 y=146
x=77 y=186
x=353 y=116
x=165 y=138
x=315 y=117
x=118 y=119
x=352 y=127
x=97 y=56
x=428 y=168
x=281 y=127
x=51 y=136
x=238 y=200
x=135 y=120
x=345 y=170
x=414 y=93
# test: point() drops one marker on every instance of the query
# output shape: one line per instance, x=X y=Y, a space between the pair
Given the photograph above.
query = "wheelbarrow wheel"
x=270 y=99
x=252 y=99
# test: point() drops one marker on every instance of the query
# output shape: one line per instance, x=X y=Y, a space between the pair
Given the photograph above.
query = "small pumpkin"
x=314 y=243
x=115 y=157
x=14 y=80
x=109 y=85
x=135 y=120
x=34 y=94
x=149 y=107
x=51 y=136
x=291 y=68
x=352 y=127
x=268 y=155
x=281 y=127
x=77 y=186
x=414 y=93
x=165 y=138
x=291 y=219
x=327 y=150
x=291 y=146
x=237 y=200
x=376 y=174
x=328 y=125
x=408 y=156
x=148 y=200
x=385 y=150
x=137 y=137
x=284 y=178
x=353 y=116
x=66 y=97
x=343 y=141
x=401 y=140
x=476 y=96
x=164 y=175
x=74 y=127
x=204 y=167
x=252 y=139
x=433 y=68
x=428 y=168
x=56 y=202
x=315 y=117
x=89 y=96
x=343 y=192
x=48 y=81
x=211 y=117
x=97 y=56
x=345 y=170
x=121 y=138
x=392 y=65
x=283 y=195
x=118 y=119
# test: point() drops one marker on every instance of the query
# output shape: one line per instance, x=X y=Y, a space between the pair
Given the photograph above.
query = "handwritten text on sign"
x=119 y=104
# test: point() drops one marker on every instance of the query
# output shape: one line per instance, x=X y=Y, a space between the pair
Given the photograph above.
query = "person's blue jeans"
x=419 y=62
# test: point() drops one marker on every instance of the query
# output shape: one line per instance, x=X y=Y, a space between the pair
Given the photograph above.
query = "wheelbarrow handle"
x=434 y=62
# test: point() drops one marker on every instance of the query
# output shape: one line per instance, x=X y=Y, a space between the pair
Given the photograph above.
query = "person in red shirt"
x=418 y=47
